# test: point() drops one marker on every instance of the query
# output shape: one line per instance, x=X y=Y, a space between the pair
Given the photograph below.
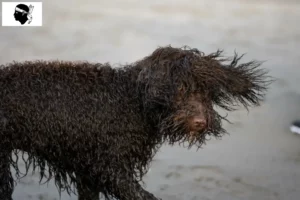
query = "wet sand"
x=260 y=159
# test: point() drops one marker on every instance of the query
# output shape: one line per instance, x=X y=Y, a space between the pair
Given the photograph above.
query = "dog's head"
x=179 y=88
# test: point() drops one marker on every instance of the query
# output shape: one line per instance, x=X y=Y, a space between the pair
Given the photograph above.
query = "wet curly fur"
x=97 y=128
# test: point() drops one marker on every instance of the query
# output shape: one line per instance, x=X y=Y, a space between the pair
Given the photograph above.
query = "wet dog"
x=98 y=128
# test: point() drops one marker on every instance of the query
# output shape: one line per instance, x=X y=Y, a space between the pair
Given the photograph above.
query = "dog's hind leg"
x=6 y=179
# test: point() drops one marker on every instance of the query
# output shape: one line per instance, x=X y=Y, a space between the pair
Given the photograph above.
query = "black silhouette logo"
x=23 y=13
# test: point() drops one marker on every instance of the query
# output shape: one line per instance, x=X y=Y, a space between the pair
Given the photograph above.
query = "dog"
x=97 y=128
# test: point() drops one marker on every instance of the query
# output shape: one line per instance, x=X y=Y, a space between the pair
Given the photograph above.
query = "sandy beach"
x=260 y=158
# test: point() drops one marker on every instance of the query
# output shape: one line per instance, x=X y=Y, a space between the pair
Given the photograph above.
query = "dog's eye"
x=180 y=88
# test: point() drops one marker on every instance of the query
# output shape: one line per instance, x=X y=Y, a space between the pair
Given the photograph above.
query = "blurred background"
x=260 y=159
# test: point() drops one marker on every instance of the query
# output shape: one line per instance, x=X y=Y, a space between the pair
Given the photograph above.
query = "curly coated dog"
x=95 y=128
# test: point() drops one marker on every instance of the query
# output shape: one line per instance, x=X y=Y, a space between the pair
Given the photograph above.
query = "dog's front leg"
x=87 y=194
x=86 y=190
x=128 y=189
x=6 y=179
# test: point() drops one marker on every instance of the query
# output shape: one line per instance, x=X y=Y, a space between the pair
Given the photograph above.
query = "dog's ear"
x=154 y=85
x=245 y=83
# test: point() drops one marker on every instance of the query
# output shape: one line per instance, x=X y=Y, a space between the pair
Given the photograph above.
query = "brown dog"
x=98 y=128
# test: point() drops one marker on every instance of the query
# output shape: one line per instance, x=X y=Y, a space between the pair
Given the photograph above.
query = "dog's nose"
x=199 y=123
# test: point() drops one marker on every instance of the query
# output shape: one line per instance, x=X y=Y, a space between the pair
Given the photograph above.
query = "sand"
x=260 y=159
